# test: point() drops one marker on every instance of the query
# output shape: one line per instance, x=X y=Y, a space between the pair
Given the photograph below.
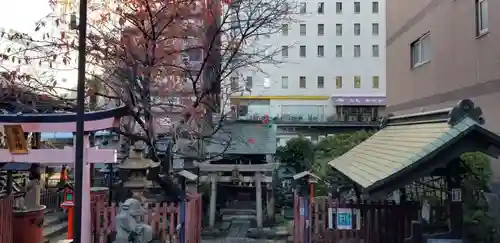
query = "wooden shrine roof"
x=411 y=146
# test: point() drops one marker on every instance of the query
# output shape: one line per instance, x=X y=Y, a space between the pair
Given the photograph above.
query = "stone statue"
x=31 y=199
x=129 y=228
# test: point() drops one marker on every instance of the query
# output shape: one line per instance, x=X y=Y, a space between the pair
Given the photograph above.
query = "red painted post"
x=69 y=205
x=70 y=222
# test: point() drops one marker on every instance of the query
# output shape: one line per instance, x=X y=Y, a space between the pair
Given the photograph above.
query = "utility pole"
x=80 y=112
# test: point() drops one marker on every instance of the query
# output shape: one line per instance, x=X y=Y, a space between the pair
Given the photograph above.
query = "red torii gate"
x=65 y=122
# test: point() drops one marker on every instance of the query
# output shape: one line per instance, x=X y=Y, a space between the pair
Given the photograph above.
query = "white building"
x=334 y=65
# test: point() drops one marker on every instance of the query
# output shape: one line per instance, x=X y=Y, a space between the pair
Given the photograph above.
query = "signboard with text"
x=15 y=139
x=344 y=218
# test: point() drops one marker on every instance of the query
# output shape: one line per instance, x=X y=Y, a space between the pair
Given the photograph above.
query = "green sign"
x=69 y=197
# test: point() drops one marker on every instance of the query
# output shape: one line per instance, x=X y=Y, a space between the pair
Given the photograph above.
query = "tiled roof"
x=394 y=148
x=408 y=145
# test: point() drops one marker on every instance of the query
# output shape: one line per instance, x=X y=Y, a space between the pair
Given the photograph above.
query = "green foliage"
x=298 y=153
x=478 y=224
x=330 y=148
x=334 y=146
x=301 y=154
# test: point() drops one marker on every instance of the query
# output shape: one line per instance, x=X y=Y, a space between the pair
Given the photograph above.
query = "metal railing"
x=51 y=198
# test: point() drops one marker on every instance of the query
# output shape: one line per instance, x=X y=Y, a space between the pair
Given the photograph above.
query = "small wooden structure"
x=418 y=147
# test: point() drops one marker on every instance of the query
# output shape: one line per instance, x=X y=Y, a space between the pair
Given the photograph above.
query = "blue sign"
x=344 y=218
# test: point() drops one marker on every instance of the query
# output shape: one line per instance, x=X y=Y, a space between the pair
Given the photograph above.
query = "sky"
x=21 y=15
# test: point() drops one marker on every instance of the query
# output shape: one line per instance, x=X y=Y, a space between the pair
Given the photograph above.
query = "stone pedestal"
x=213 y=199
x=258 y=198
x=270 y=204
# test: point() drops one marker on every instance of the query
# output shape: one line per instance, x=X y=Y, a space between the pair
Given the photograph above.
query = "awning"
x=359 y=100
x=409 y=144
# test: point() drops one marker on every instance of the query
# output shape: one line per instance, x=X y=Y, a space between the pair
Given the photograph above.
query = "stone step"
x=234 y=211
x=55 y=226
x=228 y=217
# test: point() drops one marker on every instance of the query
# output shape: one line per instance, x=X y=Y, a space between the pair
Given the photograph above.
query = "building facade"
x=439 y=52
x=333 y=65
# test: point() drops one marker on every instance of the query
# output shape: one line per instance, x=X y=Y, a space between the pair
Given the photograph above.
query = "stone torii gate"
x=17 y=125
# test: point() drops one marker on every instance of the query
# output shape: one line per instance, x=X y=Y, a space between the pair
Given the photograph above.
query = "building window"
x=267 y=82
x=357 y=7
x=357 y=82
x=321 y=8
x=482 y=16
x=357 y=29
x=338 y=82
x=234 y=84
x=338 y=51
x=249 y=83
x=375 y=29
x=338 y=7
x=284 y=82
x=374 y=7
x=303 y=8
x=338 y=29
x=420 y=51
x=302 y=50
x=375 y=82
x=357 y=50
x=302 y=82
x=284 y=29
x=303 y=29
x=321 y=51
x=284 y=51
x=321 y=29
x=321 y=82
x=375 y=51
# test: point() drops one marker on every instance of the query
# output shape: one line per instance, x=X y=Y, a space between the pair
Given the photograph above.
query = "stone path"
x=239 y=229
x=244 y=240
x=237 y=234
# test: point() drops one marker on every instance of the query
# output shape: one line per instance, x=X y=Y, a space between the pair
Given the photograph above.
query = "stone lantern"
x=136 y=168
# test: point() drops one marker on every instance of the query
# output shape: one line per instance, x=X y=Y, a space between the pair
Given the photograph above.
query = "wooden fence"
x=6 y=204
x=327 y=220
x=164 y=218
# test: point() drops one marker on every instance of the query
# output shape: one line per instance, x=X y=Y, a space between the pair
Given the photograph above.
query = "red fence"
x=6 y=204
x=164 y=218
x=326 y=220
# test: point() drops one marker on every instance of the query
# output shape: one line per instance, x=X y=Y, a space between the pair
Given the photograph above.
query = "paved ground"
x=57 y=238
x=240 y=240
x=237 y=234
